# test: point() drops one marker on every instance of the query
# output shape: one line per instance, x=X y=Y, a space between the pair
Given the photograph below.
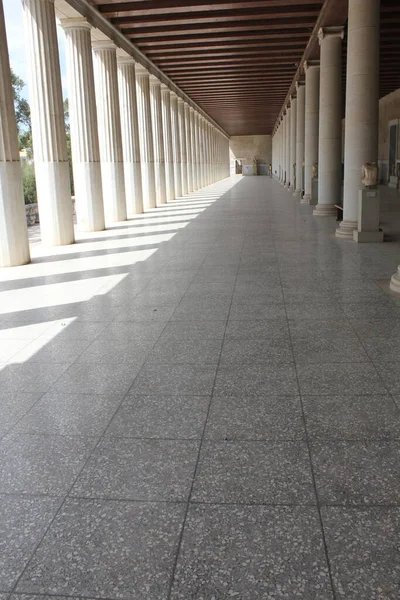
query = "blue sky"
x=16 y=45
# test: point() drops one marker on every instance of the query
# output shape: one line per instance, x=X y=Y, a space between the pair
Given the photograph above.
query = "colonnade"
x=135 y=143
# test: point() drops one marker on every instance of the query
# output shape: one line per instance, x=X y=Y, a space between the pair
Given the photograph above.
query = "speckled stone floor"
x=203 y=403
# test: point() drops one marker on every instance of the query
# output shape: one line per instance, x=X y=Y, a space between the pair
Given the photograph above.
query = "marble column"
x=83 y=122
x=146 y=137
x=158 y=138
x=193 y=148
x=47 y=118
x=112 y=160
x=284 y=121
x=130 y=134
x=288 y=138
x=330 y=122
x=176 y=145
x=201 y=150
x=362 y=104
x=14 y=245
x=168 y=152
x=197 y=151
x=293 y=119
x=188 y=148
x=182 y=139
x=300 y=132
x=311 y=69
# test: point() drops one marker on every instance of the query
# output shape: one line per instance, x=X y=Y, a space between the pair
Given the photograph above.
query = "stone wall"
x=32 y=212
x=246 y=147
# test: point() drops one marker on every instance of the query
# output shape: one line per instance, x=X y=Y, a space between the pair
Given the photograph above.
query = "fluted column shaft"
x=330 y=122
x=362 y=104
x=112 y=160
x=158 y=138
x=284 y=122
x=14 y=246
x=287 y=147
x=193 y=148
x=312 y=124
x=188 y=149
x=176 y=144
x=300 y=133
x=168 y=151
x=47 y=118
x=83 y=122
x=130 y=135
x=146 y=137
x=201 y=151
x=182 y=138
x=293 y=119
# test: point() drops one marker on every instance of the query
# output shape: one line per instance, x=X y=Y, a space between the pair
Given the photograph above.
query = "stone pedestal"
x=395 y=281
x=112 y=160
x=48 y=128
x=362 y=104
x=368 y=217
x=83 y=121
x=130 y=135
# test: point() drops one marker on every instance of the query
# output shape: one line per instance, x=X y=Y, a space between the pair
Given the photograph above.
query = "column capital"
x=309 y=64
x=330 y=32
x=141 y=70
x=180 y=100
x=164 y=87
x=299 y=84
x=103 y=45
x=125 y=59
x=154 y=80
x=292 y=97
x=75 y=23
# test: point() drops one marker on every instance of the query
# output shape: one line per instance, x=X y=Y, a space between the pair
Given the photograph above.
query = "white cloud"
x=16 y=45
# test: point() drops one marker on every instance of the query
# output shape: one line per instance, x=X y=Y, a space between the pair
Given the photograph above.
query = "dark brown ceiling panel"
x=238 y=59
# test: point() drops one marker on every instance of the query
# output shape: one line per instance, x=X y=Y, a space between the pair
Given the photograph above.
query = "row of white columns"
x=135 y=143
x=318 y=130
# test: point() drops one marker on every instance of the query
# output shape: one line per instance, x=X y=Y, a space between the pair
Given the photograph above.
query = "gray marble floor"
x=203 y=403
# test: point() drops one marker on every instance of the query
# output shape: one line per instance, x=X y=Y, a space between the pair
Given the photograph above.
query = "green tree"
x=21 y=106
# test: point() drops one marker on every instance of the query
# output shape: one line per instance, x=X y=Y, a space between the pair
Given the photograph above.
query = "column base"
x=297 y=192
x=395 y=281
x=345 y=230
x=372 y=237
x=324 y=210
x=306 y=199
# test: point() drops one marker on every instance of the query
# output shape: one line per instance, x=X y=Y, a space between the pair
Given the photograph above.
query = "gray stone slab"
x=97 y=378
x=70 y=414
x=255 y=418
x=256 y=379
x=270 y=329
x=30 y=377
x=363 y=551
x=39 y=464
x=250 y=351
x=13 y=406
x=23 y=522
x=133 y=469
x=120 y=352
x=333 y=348
x=105 y=549
x=174 y=417
x=175 y=380
x=252 y=553
x=351 y=417
x=359 y=473
x=254 y=473
x=196 y=351
x=340 y=379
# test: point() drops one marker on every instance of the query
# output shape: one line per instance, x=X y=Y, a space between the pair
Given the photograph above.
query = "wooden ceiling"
x=237 y=58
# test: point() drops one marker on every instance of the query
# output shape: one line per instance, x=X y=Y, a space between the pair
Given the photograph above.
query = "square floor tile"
x=174 y=417
x=39 y=464
x=251 y=351
x=138 y=332
x=390 y=374
x=30 y=377
x=328 y=349
x=9 y=348
x=114 y=351
x=23 y=522
x=70 y=414
x=132 y=469
x=254 y=473
x=13 y=406
x=351 y=417
x=174 y=380
x=252 y=553
x=270 y=329
x=363 y=551
x=255 y=380
x=105 y=549
x=340 y=379
x=58 y=350
x=255 y=418
x=196 y=351
x=272 y=310
x=357 y=472
x=312 y=310
x=148 y=312
x=97 y=378
x=188 y=330
x=75 y=330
